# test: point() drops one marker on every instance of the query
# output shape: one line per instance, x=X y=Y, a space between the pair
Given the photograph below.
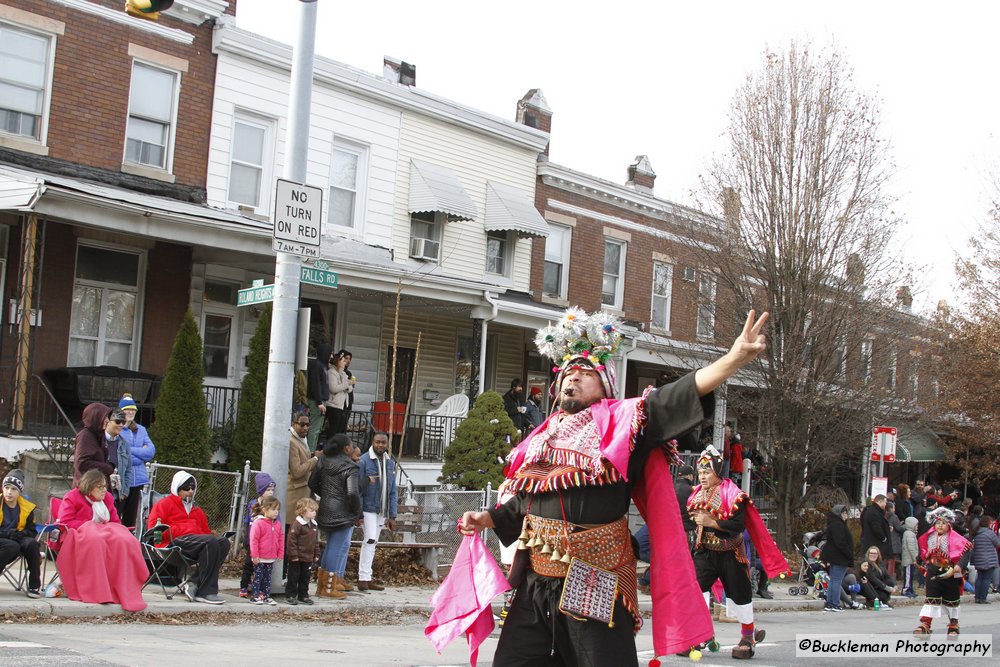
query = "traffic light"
x=147 y=9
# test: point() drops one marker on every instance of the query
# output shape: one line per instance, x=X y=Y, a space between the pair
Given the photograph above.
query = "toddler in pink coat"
x=267 y=545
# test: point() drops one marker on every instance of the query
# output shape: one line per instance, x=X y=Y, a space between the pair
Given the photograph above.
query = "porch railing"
x=423 y=436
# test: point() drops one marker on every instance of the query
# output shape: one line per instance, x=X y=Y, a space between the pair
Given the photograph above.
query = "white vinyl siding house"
x=245 y=86
x=474 y=159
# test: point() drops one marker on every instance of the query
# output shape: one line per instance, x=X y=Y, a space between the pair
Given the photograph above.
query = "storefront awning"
x=917 y=443
x=434 y=188
x=512 y=209
x=19 y=193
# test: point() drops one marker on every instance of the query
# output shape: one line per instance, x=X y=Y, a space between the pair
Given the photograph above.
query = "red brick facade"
x=90 y=88
x=587 y=257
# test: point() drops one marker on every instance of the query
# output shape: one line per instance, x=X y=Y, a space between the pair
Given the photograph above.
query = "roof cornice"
x=231 y=40
x=599 y=189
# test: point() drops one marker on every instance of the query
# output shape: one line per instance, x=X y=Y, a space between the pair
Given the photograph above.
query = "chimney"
x=533 y=110
x=904 y=299
x=397 y=71
x=855 y=269
x=731 y=207
x=641 y=175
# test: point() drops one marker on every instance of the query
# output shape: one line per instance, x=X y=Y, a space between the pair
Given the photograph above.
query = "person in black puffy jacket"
x=335 y=481
x=838 y=551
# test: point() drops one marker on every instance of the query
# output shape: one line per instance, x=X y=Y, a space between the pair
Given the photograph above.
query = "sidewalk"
x=393 y=599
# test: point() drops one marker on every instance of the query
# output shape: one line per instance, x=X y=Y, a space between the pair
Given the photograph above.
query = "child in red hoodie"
x=267 y=546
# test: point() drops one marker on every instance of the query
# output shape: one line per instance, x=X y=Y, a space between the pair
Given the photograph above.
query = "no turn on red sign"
x=884 y=443
x=298 y=216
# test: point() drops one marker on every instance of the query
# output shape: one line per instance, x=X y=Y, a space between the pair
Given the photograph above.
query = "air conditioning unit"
x=690 y=274
x=425 y=249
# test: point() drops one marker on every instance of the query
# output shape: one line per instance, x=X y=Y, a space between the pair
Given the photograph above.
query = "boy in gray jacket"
x=908 y=558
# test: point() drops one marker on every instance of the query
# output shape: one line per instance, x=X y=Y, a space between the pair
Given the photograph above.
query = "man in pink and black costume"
x=722 y=511
x=945 y=554
x=574 y=475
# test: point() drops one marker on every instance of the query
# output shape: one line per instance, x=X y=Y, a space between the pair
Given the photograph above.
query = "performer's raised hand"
x=751 y=342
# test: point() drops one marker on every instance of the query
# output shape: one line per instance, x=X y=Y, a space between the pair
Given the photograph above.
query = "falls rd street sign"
x=259 y=293
x=319 y=274
x=298 y=214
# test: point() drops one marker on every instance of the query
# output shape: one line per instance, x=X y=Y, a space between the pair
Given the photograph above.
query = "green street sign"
x=318 y=274
x=259 y=293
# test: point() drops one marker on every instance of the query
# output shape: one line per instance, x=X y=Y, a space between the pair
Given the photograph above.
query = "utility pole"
x=287 y=271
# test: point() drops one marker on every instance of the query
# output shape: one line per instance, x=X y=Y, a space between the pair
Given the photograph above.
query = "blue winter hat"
x=263 y=481
x=127 y=402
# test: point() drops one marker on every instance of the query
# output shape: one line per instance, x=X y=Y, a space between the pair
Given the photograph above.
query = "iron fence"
x=422 y=436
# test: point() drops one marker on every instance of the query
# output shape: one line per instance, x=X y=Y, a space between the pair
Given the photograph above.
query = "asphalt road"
x=257 y=642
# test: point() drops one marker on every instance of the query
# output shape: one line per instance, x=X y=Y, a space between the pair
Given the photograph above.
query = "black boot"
x=762 y=591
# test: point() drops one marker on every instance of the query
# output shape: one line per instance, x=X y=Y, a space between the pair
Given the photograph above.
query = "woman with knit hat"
x=143 y=450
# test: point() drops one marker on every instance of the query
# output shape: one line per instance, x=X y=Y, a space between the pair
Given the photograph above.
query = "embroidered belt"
x=713 y=542
x=608 y=546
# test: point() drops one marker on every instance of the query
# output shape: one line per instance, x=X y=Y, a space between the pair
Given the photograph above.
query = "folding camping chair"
x=48 y=538
x=167 y=565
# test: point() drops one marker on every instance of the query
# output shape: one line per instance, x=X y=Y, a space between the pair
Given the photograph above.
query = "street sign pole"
x=287 y=271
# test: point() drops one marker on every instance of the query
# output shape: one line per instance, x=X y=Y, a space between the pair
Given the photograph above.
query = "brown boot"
x=369 y=586
x=341 y=584
x=327 y=588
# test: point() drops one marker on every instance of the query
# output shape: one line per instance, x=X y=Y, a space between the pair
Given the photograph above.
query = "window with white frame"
x=556 y=273
x=663 y=276
x=218 y=329
x=152 y=112
x=24 y=78
x=106 y=298
x=250 y=160
x=890 y=379
x=425 y=235
x=706 y=306
x=347 y=171
x=840 y=358
x=612 y=282
x=498 y=253
x=866 y=360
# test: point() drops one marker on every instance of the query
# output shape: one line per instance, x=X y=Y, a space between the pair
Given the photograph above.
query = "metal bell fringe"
x=556 y=556
x=566 y=558
x=546 y=549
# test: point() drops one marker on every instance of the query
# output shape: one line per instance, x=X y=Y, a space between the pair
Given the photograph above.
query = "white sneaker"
x=270 y=602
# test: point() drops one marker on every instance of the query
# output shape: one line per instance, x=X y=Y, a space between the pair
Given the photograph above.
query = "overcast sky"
x=656 y=78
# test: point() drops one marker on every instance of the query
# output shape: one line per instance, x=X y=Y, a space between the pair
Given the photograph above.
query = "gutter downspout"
x=620 y=389
x=482 y=347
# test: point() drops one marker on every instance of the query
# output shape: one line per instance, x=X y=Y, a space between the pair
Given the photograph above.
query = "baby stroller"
x=811 y=566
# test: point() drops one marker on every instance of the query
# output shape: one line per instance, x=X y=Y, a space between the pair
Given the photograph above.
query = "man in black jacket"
x=317 y=391
x=513 y=403
x=838 y=551
x=875 y=528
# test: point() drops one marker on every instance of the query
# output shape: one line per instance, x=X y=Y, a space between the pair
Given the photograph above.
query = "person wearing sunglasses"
x=97 y=446
x=301 y=462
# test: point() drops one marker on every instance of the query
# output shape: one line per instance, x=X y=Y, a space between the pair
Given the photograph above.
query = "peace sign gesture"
x=751 y=342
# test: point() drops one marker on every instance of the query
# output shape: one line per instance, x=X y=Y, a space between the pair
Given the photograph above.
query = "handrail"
x=63 y=466
x=45 y=387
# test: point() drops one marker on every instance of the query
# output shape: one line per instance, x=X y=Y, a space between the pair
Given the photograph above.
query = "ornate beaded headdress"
x=941 y=513
x=580 y=340
x=710 y=459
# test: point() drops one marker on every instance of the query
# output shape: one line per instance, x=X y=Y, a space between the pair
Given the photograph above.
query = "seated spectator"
x=849 y=591
x=189 y=530
x=100 y=560
x=875 y=580
x=17 y=531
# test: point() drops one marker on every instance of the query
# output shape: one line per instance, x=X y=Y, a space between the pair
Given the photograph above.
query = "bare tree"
x=807 y=235
x=968 y=401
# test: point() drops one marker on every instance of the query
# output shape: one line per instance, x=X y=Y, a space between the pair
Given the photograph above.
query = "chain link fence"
x=218 y=493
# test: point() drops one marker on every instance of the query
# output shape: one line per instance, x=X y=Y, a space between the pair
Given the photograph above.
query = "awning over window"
x=511 y=209
x=19 y=193
x=435 y=188
x=917 y=443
